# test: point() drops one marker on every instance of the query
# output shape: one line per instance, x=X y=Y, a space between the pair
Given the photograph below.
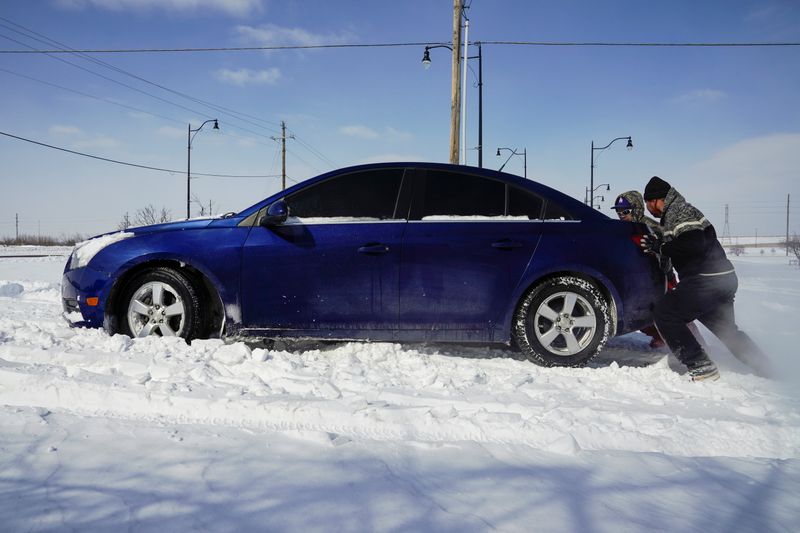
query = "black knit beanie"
x=656 y=188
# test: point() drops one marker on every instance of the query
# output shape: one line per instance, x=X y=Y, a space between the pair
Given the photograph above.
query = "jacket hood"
x=637 y=205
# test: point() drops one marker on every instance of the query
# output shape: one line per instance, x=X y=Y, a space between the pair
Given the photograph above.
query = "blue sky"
x=721 y=124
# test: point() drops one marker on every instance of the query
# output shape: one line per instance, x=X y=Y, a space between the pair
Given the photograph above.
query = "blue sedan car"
x=405 y=252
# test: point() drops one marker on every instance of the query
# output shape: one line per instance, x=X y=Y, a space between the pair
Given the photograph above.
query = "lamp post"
x=426 y=62
x=191 y=134
x=629 y=146
x=514 y=152
x=586 y=193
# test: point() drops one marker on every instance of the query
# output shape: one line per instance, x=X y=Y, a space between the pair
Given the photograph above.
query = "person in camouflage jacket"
x=706 y=288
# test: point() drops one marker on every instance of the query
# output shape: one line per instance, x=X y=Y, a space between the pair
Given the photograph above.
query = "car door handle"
x=506 y=244
x=373 y=249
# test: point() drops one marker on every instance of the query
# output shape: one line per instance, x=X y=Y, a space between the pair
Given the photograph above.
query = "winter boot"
x=704 y=369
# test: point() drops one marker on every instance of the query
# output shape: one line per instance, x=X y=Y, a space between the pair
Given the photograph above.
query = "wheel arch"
x=215 y=321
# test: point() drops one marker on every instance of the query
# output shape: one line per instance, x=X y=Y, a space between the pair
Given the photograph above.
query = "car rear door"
x=463 y=254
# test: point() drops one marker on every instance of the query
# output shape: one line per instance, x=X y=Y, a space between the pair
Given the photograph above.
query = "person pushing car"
x=706 y=288
x=629 y=207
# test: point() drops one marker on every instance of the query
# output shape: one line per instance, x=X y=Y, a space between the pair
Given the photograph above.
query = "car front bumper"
x=78 y=288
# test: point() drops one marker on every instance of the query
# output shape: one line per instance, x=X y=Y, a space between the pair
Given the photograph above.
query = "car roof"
x=578 y=208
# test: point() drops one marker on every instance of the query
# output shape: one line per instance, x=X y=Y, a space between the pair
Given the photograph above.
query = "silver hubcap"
x=565 y=323
x=154 y=309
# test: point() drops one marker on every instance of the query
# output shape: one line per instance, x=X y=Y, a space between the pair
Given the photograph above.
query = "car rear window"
x=454 y=194
x=554 y=211
x=524 y=204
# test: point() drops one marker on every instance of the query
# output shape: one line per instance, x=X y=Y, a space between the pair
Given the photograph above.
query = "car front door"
x=467 y=244
x=332 y=268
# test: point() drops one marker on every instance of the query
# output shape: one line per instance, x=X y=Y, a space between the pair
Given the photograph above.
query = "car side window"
x=554 y=211
x=448 y=194
x=361 y=195
x=522 y=203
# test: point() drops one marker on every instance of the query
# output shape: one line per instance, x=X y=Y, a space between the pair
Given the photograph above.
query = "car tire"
x=564 y=321
x=161 y=302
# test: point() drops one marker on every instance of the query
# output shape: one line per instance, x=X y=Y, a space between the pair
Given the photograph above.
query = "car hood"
x=195 y=223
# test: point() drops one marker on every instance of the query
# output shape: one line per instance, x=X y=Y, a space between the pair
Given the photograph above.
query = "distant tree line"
x=793 y=245
x=42 y=240
x=146 y=216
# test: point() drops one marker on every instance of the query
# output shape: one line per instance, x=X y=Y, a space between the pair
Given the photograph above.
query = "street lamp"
x=191 y=134
x=514 y=152
x=586 y=193
x=629 y=146
x=426 y=62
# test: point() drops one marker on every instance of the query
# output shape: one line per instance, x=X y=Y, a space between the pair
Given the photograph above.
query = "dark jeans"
x=708 y=299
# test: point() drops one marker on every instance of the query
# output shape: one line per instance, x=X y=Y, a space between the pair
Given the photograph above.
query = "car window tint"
x=454 y=194
x=369 y=194
x=524 y=203
x=554 y=211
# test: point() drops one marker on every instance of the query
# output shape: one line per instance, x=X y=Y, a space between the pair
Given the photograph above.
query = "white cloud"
x=139 y=115
x=358 y=131
x=96 y=142
x=245 y=76
x=700 y=96
x=237 y=8
x=364 y=132
x=387 y=158
x=271 y=34
x=246 y=142
x=756 y=171
x=79 y=140
x=172 y=132
x=397 y=135
x=59 y=129
x=759 y=163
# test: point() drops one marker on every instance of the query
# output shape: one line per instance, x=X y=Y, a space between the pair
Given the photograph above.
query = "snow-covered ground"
x=100 y=433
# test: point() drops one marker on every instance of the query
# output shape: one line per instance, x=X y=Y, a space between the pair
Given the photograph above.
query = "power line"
x=125 y=106
x=390 y=45
x=146 y=167
x=314 y=151
x=93 y=97
x=27 y=32
x=214 y=49
x=636 y=44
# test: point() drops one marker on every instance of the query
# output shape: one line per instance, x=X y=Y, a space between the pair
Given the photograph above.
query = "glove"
x=651 y=244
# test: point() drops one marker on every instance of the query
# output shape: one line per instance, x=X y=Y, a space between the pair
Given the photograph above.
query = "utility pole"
x=282 y=139
x=787 y=224
x=726 y=230
x=455 y=95
x=17 y=239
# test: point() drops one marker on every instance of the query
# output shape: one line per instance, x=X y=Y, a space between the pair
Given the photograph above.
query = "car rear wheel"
x=161 y=302
x=563 y=321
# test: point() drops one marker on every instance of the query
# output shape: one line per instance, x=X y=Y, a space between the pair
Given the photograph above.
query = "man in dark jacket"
x=706 y=288
x=630 y=208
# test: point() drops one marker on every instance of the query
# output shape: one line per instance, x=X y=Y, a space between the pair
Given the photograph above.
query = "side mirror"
x=276 y=214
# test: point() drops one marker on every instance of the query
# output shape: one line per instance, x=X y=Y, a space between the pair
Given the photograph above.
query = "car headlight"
x=84 y=251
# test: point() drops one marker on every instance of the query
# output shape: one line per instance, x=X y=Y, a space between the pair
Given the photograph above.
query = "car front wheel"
x=563 y=321
x=161 y=302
